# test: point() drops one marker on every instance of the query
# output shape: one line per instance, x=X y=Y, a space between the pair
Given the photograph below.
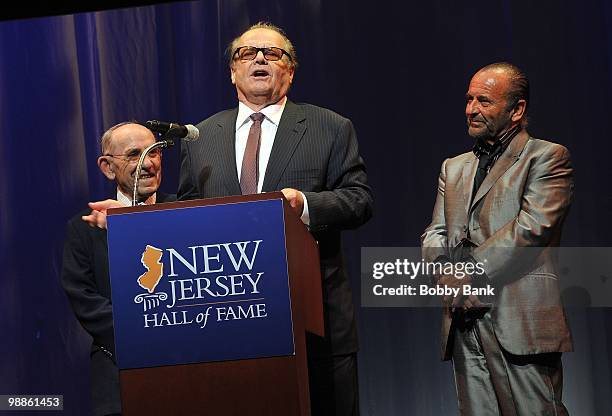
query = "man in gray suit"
x=311 y=154
x=502 y=205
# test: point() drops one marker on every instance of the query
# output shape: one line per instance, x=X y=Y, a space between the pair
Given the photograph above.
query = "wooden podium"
x=254 y=386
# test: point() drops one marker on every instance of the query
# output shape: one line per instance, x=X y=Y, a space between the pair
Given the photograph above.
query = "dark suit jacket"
x=86 y=282
x=315 y=151
x=515 y=220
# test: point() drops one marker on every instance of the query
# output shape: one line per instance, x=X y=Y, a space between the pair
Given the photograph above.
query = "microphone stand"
x=145 y=152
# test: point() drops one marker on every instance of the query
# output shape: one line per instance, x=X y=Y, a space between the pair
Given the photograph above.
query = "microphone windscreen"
x=192 y=133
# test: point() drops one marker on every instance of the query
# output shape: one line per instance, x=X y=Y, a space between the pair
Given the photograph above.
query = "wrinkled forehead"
x=262 y=38
x=491 y=81
x=131 y=136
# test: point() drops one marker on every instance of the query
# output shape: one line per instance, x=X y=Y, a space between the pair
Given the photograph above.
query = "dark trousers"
x=105 y=394
x=334 y=390
x=490 y=381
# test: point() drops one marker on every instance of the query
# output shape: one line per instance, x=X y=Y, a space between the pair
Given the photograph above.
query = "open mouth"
x=145 y=175
x=260 y=73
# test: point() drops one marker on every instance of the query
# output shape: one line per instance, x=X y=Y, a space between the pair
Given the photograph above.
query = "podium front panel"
x=200 y=284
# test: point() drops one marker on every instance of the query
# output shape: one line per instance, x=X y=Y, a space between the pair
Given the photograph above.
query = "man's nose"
x=148 y=161
x=471 y=107
x=260 y=58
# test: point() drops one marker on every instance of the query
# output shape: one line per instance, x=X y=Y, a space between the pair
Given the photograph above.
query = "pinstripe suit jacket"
x=515 y=221
x=315 y=151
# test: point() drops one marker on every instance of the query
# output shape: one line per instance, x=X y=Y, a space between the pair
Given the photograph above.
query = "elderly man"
x=85 y=262
x=502 y=205
x=309 y=153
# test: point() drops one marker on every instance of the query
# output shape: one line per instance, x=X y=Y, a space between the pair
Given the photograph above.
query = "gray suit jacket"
x=315 y=151
x=515 y=221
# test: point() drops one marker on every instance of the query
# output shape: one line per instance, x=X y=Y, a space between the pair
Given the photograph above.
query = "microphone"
x=187 y=132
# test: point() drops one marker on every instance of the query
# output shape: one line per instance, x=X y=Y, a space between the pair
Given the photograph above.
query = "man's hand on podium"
x=295 y=199
x=97 y=218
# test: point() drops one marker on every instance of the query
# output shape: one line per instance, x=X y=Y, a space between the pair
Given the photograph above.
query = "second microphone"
x=187 y=132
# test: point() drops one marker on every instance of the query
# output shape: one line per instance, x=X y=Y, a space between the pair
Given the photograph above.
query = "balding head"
x=262 y=66
x=518 y=85
x=288 y=46
x=121 y=147
x=495 y=102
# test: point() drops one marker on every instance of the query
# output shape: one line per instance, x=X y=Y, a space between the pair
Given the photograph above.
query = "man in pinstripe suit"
x=309 y=153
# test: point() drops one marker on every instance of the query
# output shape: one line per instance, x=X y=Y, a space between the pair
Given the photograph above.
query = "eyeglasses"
x=248 y=53
x=133 y=155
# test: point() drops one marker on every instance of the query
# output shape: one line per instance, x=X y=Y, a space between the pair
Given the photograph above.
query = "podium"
x=211 y=301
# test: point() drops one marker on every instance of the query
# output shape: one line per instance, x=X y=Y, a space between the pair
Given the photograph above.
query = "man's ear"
x=518 y=112
x=106 y=168
x=291 y=73
x=233 y=74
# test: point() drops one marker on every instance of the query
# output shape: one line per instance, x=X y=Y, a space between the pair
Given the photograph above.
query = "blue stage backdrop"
x=399 y=70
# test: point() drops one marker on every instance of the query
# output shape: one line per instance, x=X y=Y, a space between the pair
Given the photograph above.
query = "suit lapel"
x=289 y=134
x=469 y=171
x=507 y=159
x=227 y=137
x=164 y=197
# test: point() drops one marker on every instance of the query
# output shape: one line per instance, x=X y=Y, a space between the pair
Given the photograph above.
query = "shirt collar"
x=482 y=147
x=127 y=200
x=272 y=112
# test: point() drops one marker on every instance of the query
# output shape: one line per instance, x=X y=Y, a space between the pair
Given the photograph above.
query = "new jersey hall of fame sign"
x=200 y=284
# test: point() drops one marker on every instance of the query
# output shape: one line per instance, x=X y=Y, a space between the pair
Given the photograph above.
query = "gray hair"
x=105 y=140
x=289 y=48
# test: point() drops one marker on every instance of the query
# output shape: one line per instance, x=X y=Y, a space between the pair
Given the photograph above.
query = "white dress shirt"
x=269 y=126
x=127 y=200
